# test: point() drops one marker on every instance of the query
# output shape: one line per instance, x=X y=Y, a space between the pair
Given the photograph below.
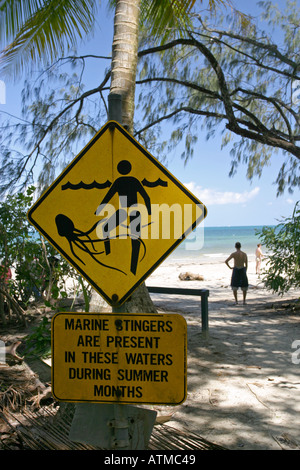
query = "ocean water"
x=214 y=244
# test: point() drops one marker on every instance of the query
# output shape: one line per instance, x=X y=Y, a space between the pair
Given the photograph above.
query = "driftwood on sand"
x=187 y=276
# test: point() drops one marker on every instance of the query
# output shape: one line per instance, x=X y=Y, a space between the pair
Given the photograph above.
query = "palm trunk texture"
x=123 y=75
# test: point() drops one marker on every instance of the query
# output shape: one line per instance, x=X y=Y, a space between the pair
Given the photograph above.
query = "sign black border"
x=69 y=168
x=155 y=316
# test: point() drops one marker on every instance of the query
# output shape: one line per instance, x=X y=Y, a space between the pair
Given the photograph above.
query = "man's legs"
x=234 y=289
x=244 y=295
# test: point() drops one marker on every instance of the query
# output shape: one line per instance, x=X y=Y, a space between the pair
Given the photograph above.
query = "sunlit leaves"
x=258 y=72
x=42 y=31
x=57 y=123
x=283 y=245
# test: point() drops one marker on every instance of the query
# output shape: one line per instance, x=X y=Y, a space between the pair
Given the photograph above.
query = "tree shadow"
x=242 y=382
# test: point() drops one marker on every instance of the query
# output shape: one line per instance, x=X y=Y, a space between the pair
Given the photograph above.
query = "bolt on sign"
x=115 y=213
x=125 y=358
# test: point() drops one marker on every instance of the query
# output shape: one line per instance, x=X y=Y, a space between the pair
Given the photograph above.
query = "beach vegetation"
x=38 y=271
x=282 y=243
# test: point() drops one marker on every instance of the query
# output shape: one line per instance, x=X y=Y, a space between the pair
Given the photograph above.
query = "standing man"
x=239 y=274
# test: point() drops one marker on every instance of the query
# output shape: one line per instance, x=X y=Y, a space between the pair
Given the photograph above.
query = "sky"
x=230 y=201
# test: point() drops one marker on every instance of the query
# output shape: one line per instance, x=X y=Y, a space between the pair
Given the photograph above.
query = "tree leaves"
x=42 y=30
x=283 y=261
x=236 y=78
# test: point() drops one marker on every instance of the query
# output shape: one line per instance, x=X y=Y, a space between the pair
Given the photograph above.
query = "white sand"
x=243 y=388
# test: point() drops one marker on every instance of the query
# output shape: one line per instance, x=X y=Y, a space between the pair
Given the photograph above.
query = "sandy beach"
x=243 y=386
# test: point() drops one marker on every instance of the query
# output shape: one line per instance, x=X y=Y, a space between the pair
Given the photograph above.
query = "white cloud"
x=213 y=197
x=290 y=201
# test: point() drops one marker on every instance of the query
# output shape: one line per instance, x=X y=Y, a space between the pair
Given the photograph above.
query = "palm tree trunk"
x=123 y=75
x=124 y=57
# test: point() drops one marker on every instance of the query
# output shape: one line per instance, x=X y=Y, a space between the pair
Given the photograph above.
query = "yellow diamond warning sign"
x=125 y=358
x=115 y=213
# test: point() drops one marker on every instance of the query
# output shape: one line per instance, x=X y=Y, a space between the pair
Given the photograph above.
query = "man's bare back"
x=240 y=259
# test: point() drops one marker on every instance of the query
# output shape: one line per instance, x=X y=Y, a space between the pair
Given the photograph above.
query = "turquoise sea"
x=214 y=244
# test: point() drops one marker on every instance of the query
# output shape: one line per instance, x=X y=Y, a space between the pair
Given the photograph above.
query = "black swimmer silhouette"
x=127 y=187
x=80 y=239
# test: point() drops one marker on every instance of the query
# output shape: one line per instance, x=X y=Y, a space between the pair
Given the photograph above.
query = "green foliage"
x=38 y=343
x=56 y=123
x=162 y=18
x=42 y=30
x=85 y=295
x=39 y=270
x=234 y=78
x=283 y=243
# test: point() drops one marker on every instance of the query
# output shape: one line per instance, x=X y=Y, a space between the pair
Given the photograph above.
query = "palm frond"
x=165 y=16
x=13 y=15
x=48 y=33
x=162 y=18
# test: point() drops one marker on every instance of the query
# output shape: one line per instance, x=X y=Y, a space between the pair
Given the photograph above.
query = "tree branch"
x=59 y=115
x=253 y=58
x=185 y=83
x=186 y=109
x=271 y=48
x=255 y=130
